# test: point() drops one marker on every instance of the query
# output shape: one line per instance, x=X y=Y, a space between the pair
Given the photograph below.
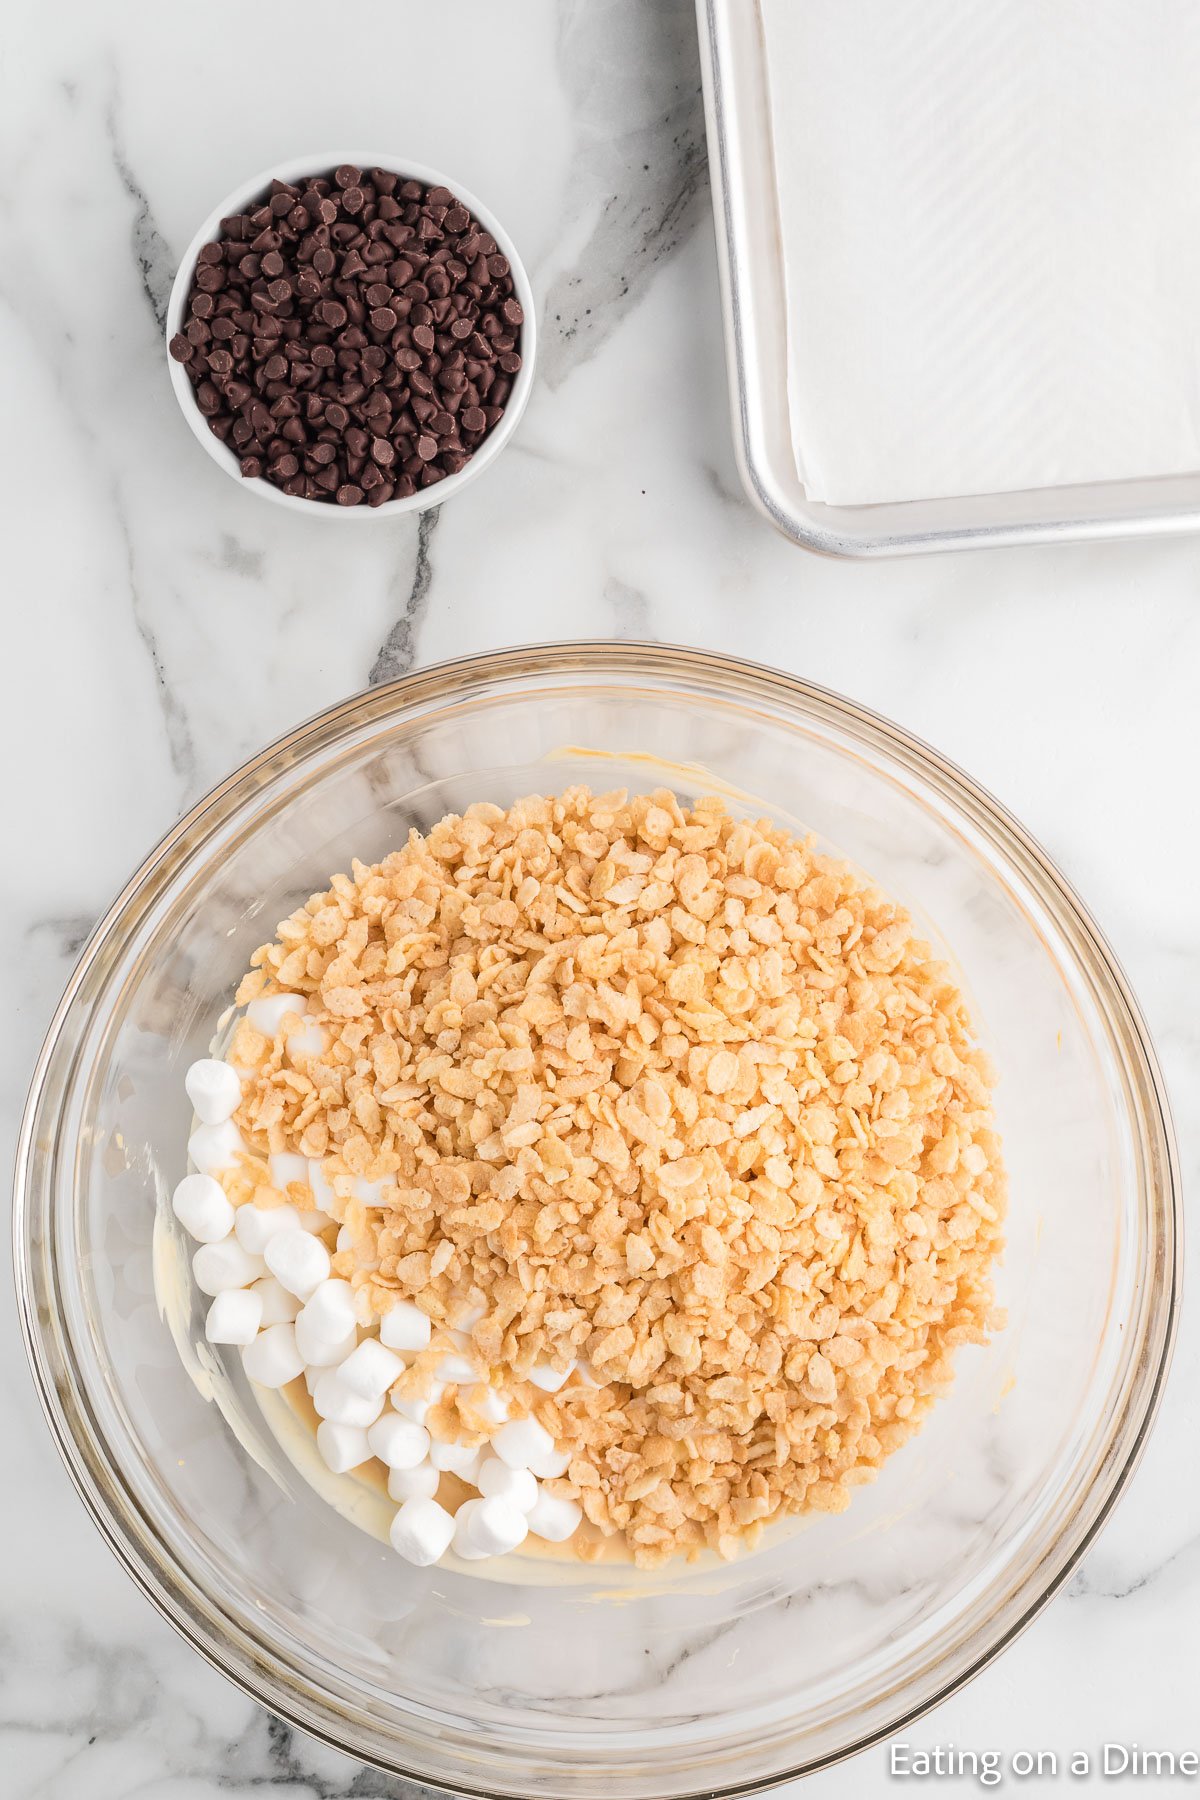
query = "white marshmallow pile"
x=274 y=1295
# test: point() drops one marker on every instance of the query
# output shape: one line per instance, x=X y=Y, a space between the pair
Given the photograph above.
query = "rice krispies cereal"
x=664 y=1091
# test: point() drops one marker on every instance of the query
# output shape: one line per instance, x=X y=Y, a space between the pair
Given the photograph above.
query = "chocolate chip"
x=342 y=332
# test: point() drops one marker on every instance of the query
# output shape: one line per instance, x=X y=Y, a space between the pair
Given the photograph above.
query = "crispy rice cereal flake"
x=666 y=1091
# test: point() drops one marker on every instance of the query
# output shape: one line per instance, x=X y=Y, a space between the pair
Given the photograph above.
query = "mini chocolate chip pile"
x=352 y=338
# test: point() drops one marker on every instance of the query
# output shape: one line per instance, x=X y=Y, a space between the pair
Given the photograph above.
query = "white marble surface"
x=161 y=624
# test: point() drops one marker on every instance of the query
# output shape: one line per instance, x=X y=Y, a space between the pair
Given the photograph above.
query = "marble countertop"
x=163 y=624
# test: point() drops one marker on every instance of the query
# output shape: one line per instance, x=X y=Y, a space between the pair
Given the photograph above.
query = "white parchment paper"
x=990 y=214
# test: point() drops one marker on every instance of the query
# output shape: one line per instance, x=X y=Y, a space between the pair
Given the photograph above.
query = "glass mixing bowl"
x=609 y=1683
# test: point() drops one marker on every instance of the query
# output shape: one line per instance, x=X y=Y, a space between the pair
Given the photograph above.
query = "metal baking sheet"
x=750 y=257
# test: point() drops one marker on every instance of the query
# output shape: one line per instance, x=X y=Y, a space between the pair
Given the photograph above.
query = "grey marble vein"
x=111 y=1698
x=67 y=935
x=273 y=1757
x=630 y=609
x=1091 y=1582
x=181 y=748
x=639 y=169
x=398 y=651
x=155 y=263
x=235 y=558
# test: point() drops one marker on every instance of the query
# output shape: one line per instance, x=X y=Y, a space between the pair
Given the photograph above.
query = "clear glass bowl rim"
x=115 y=1511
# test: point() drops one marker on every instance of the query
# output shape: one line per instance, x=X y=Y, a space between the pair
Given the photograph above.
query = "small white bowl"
x=296 y=169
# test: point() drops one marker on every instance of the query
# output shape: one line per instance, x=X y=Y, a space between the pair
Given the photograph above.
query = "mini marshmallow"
x=345 y=1238
x=334 y=1400
x=216 y=1147
x=586 y=1378
x=375 y=1193
x=299 y=1260
x=319 y=1351
x=405 y=1327
x=201 y=1206
x=322 y=1191
x=554 y=1518
x=371 y=1369
x=213 y=1089
x=308 y=1042
x=282 y=1167
x=521 y=1442
x=398 y=1442
x=496 y=1526
x=234 y=1317
x=464 y=1544
x=496 y=1480
x=550 y=1379
x=421 y=1531
x=315 y=1221
x=407 y=1484
x=458 y=1370
x=312 y=1374
x=255 y=1226
x=548 y=1464
x=417 y=1410
x=225 y=1265
x=455 y=1459
x=330 y=1308
x=343 y=1447
x=491 y=1406
x=278 y=1306
x=273 y=1360
x=267 y=1014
